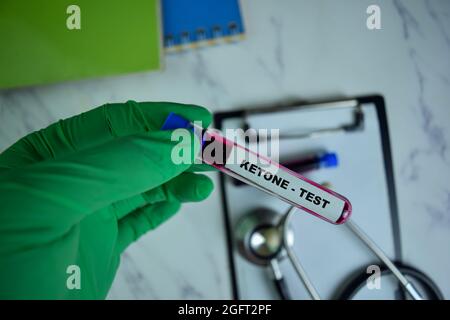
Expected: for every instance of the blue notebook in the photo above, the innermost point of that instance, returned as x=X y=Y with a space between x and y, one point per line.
x=190 y=24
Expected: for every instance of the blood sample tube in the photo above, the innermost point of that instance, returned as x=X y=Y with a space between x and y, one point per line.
x=259 y=171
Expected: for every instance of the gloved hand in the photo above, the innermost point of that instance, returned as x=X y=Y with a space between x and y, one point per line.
x=80 y=191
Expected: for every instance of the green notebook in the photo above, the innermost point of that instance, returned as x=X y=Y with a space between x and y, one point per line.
x=40 y=42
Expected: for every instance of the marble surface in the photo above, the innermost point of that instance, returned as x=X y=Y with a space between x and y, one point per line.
x=293 y=49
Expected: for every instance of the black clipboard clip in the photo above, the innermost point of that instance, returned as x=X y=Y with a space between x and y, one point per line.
x=357 y=123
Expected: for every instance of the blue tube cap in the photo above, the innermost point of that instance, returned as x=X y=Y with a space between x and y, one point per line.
x=329 y=160
x=174 y=121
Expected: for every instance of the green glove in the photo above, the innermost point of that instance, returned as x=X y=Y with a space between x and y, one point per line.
x=73 y=196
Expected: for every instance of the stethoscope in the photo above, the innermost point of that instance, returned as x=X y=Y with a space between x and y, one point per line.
x=264 y=237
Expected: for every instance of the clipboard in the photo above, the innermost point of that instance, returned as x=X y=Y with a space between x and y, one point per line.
x=357 y=130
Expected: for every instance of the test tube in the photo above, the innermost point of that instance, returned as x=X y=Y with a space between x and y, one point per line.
x=265 y=174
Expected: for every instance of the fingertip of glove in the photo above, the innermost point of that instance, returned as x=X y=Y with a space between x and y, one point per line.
x=191 y=112
x=204 y=187
x=205 y=116
x=191 y=187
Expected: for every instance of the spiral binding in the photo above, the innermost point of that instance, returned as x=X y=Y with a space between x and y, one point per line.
x=203 y=37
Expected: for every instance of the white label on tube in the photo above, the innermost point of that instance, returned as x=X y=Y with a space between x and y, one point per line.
x=286 y=185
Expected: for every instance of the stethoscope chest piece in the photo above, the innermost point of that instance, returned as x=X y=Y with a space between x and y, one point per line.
x=259 y=238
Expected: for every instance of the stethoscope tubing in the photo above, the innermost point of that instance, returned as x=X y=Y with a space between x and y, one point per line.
x=293 y=258
x=357 y=231
x=409 y=287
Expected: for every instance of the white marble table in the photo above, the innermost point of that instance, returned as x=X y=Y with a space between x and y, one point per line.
x=293 y=49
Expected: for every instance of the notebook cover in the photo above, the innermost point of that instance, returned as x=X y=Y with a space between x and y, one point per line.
x=191 y=23
x=115 y=37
